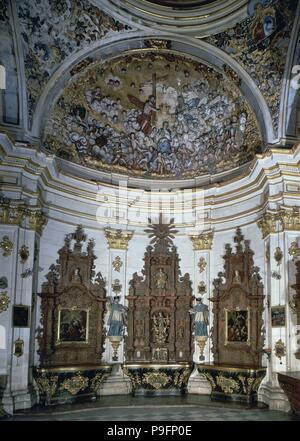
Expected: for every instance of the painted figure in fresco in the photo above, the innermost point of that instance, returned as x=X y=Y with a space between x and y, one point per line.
x=117 y=319
x=161 y=279
x=148 y=109
x=201 y=315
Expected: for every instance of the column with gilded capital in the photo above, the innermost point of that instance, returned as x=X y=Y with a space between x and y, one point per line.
x=21 y=227
x=202 y=245
x=276 y=301
x=117 y=241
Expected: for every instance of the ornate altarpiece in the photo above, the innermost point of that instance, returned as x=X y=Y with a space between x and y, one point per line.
x=72 y=307
x=159 y=324
x=71 y=341
x=238 y=327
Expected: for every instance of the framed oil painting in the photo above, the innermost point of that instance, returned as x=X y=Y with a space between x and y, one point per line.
x=73 y=325
x=20 y=316
x=237 y=326
x=278 y=316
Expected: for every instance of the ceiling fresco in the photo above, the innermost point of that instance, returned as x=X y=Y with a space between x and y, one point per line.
x=181 y=3
x=260 y=44
x=53 y=32
x=153 y=114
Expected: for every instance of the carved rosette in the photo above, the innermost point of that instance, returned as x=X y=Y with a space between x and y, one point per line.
x=202 y=241
x=118 y=239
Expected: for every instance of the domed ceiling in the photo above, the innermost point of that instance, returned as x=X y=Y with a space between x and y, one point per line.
x=154 y=115
x=181 y=3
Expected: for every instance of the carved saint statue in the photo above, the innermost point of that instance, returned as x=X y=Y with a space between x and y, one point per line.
x=160 y=327
x=161 y=279
x=117 y=319
x=201 y=315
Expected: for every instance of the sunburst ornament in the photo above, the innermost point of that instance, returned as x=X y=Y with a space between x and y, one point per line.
x=161 y=233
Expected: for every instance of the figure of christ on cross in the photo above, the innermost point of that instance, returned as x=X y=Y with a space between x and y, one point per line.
x=148 y=116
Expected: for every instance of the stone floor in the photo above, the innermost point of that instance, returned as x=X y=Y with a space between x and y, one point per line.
x=127 y=408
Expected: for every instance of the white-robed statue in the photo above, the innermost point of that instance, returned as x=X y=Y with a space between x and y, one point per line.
x=117 y=319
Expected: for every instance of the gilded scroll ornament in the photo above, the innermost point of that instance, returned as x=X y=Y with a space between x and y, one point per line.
x=182 y=378
x=118 y=239
x=156 y=379
x=202 y=241
x=75 y=384
x=47 y=385
x=209 y=378
x=7 y=246
x=202 y=264
x=97 y=381
x=228 y=385
x=4 y=301
x=117 y=263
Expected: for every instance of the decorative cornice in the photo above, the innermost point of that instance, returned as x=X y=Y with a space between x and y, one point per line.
x=118 y=239
x=202 y=241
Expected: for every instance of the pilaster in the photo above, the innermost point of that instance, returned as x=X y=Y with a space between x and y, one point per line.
x=117 y=241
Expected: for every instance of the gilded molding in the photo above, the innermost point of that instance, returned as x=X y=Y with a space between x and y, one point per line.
x=202 y=241
x=118 y=239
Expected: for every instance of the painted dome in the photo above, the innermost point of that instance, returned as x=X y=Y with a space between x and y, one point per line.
x=153 y=115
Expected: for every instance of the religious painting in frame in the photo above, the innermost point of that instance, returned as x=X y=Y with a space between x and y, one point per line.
x=278 y=316
x=73 y=325
x=20 y=316
x=237 y=326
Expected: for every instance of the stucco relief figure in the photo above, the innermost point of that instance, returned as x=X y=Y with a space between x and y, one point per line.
x=200 y=314
x=160 y=327
x=117 y=319
x=161 y=279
